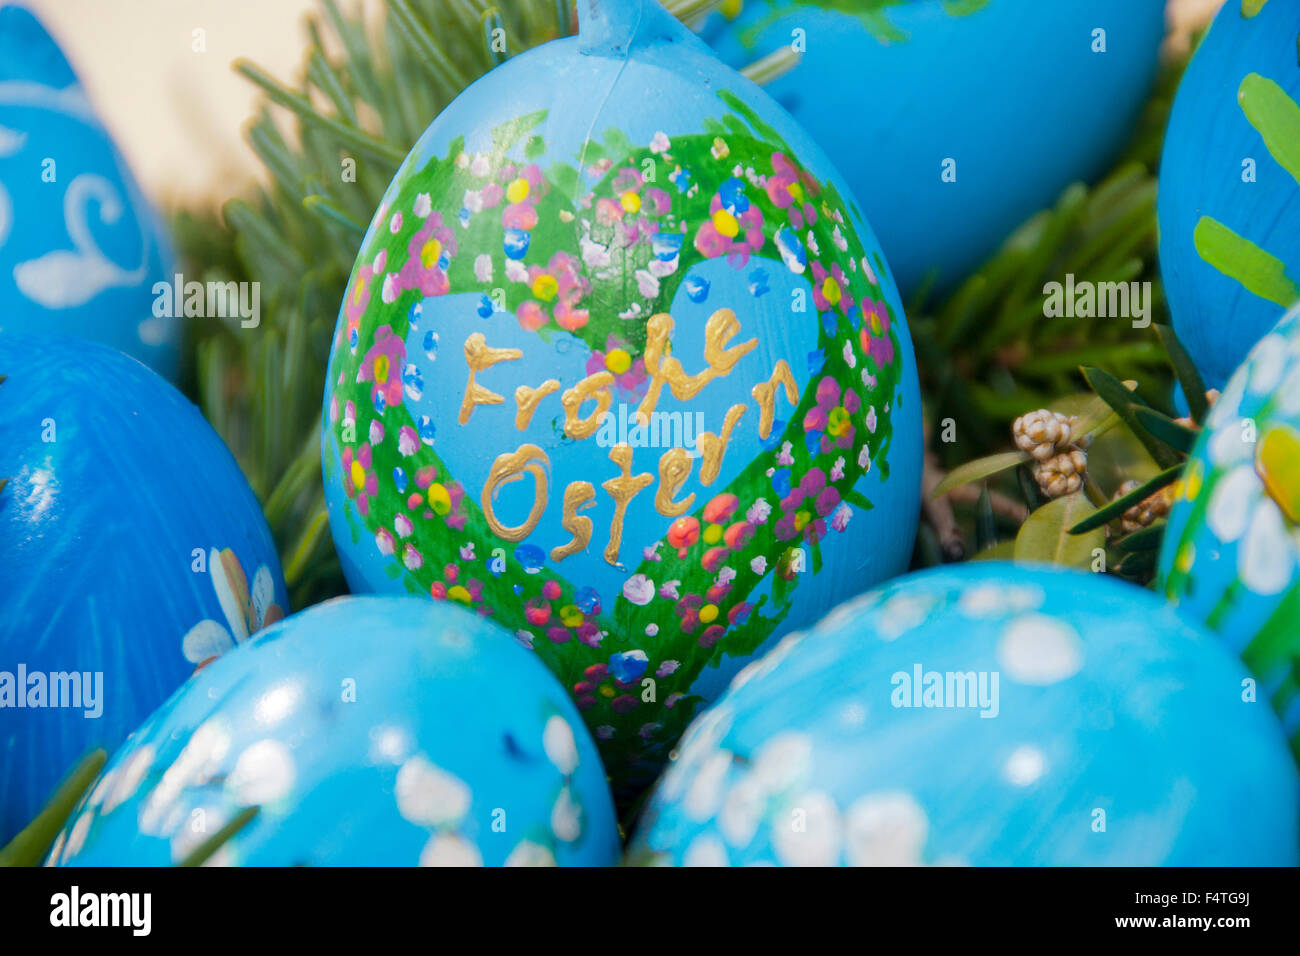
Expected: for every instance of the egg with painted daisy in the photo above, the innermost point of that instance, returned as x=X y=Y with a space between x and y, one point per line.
x=987 y=714
x=131 y=550
x=622 y=367
x=366 y=731
x=1231 y=552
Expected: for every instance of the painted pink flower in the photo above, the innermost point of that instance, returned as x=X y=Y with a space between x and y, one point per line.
x=791 y=189
x=383 y=366
x=359 y=479
x=875 y=332
x=727 y=233
x=632 y=380
x=831 y=289
x=430 y=252
x=358 y=297
x=560 y=287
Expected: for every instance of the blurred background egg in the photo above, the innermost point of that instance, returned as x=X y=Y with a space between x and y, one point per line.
x=1231 y=553
x=80 y=249
x=133 y=549
x=368 y=731
x=955 y=120
x=987 y=714
x=549 y=263
x=1229 y=202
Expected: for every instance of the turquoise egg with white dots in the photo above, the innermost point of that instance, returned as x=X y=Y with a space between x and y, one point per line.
x=367 y=731
x=991 y=715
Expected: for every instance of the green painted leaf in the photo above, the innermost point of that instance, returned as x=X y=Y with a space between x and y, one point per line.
x=1240 y=259
x=1045 y=537
x=1277 y=118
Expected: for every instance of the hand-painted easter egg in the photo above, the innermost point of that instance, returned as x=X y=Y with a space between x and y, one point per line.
x=622 y=366
x=368 y=731
x=954 y=121
x=131 y=549
x=80 y=249
x=987 y=714
x=1229 y=202
x=1231 y=552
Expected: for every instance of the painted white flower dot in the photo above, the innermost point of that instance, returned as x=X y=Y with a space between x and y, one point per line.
x=885 y=829
x=448 y=849
x=809 y=832
x=263 y=773
x=560 y=745
x=428 y=795
x=1040 y=650
x=1025 y=765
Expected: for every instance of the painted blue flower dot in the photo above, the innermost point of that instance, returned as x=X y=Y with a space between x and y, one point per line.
x=412 y=381
x=758 y=283
x=516 y=243
x=813 y=442
x=781 y=481
x=463 y=216
x=666 y=246
x=816 y=360
x=353 y=338
x=627 y=666
x=427 y=430
x=732 y=195
x=431 y=344
x=829 y=323
x=380 y=402
x=531 y=557
x=486 y=307
x=697 y=289
x=774 y=440
x=587 y=600
x=792 y=251
x=414 y=314
x=399 y=480
x=518 y=589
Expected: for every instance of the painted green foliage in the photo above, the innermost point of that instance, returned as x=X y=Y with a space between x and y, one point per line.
x=839 y=428
x=874 y=15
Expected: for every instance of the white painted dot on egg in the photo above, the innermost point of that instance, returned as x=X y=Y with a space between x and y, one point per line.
x=560 y=745
x=704 y=794
x=448 y=849
x=1025 y=766
x=1040 y=650
x=430 y=796
x=885 y=829
x=706 y=850
x=263 y=773
x=566 y=817
x=808 y=832
x=529 y=853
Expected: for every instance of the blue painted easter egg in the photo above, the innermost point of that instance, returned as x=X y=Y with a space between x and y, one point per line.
x=1229 y=201
x=1231 y=552
x=368 y=731
x=991 y=715
x=131 y=549
x=691 y=421
x=954 y=121
x=80 y=249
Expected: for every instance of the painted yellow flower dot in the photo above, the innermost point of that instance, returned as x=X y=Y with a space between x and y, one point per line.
x=439 y=499
x=831 y=290
x=518 y=190
x=381 y=368
x=726 y=223
x=545 y=287
x=618 y=361
x=458 y=593
x=709 y=613
x=801 y=519
x=631 y=202
x=606 y=690
x=1192 y=480
x=795 y=190
x=876 y=327
x=570 y=616
x=430 y=253
x=732 y=8
x=1185 y=557
x=837 y=422
x=712 y=534
x=358 y=475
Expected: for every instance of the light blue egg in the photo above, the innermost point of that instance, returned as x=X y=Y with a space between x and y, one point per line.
x=1013 y=97
x=81 y=252
x=990 y=715
x=133 y=550
x=1229 y=202
x=1231 y=553
x=368 y=731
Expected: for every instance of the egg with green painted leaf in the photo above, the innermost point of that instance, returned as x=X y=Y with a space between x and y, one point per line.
x=1229 y=202
x=1231 y=554
x=621 y=366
